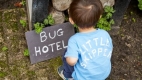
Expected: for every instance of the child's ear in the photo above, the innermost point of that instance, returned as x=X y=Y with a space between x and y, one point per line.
x=71 y=21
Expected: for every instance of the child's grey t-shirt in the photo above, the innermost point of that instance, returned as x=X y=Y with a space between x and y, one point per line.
x=93 y=50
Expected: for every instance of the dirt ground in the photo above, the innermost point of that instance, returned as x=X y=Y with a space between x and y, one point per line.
x=126 y=58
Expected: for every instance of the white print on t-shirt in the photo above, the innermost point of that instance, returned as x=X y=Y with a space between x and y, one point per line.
x=101 y=49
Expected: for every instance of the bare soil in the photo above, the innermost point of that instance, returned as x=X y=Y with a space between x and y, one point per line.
x=126 y=58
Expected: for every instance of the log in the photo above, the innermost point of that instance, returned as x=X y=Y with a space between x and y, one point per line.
x=61 y=5
x=59 y=17
x=107 y=2
x=39 y=10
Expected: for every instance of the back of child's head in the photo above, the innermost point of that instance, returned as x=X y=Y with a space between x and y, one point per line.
x=85 y=13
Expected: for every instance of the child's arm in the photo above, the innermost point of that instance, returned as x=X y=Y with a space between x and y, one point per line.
x=71 y=61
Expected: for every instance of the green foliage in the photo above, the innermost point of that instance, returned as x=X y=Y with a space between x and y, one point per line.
x=23 y=2
x=105 y=21
x=23 y=23
x=76 y=27
x=2 y=74
x=133 y=19
x=38 y=27
x=26 y=52
x=4 y=48
x=50 y=20
x=140 y=4
x=47 y=21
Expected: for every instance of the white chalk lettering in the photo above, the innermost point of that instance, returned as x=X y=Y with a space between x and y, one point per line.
x=43 y=36
x=37 y=51
x=52 y=46
x=53 y=36
x=45 y=49
x=58 y=46
x=64 y=44
x=60 y=31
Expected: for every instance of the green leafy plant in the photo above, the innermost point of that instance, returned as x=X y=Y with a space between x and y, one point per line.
x=47 y=21
x=26 y=52
x=38 y=27
x=140 y=4
x=23 y=2
x=4 y=48
x=106 y=20
x=50 y=20
x=23 y=23
x=133 y=19
x=76 y=27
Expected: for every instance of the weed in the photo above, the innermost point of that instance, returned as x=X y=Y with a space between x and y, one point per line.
x=23 y=23
x=50 y=20
x=26 y=52
x=133 y=19
x=2 y=74
x=76 y=27
x=105 y=21
x=4 y=48
x=66 y=18
x=20 y=4
x=140 y=4
x=47 y=21
x=125 y=17
x=38 y=27
x=23 y=2
x=131 y=13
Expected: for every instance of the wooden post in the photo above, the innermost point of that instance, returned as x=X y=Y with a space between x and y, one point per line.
x=37 y=11
x=120 y=8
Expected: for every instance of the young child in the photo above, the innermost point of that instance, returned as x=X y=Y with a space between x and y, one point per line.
x=88 y=56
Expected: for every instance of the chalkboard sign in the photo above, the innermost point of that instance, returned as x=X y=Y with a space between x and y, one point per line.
x=50 y=43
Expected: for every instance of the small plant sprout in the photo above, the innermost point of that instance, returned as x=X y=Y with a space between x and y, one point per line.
x=131 y=13
x=76 y=27
x=20 y=4
x=4 y=48
x=23 y=23
x=133 y=19
x=125 y=17
x=26 y=52
x=38 y=27
x=140 y=4
x=45 y=21
x=50 y=20
x=66 y=18
x=105 y=21
x=23 y=2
